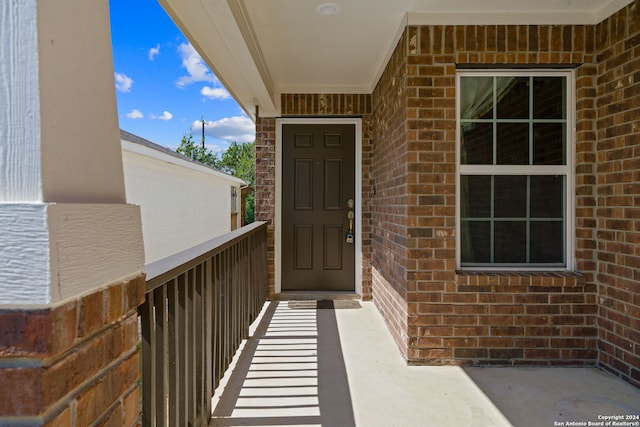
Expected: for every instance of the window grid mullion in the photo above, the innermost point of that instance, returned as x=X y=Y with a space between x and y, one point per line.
x=528 y=200
x=492 y=220
x=528 y=221
x=564 y=219
x=492 y=226
x=530 y=120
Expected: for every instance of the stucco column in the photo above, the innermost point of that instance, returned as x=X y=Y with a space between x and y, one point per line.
x=71 y=250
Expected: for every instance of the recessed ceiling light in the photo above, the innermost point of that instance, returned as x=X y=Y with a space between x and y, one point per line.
x=327 y=9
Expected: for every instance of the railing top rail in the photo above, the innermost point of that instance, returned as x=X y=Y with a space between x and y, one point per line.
x=165 y=269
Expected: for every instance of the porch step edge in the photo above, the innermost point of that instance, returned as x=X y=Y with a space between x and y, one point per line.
x=316 y=295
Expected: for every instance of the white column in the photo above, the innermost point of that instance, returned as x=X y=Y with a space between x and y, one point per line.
x=65 y=227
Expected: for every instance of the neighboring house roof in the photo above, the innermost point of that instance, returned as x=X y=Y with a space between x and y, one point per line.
x=141 y=142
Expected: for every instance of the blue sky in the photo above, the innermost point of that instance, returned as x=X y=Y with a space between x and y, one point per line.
x=163 y=87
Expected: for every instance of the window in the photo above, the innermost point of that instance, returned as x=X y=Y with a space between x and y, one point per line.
x=514 y=169
x=234 y=200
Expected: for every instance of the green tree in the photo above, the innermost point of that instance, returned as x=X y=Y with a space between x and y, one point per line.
x=197 y=152
x=240 y=160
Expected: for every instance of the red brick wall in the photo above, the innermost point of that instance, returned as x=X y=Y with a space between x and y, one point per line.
x=585 y=167
x=265 y=191
x=313 y=105
x=456 y=318
x=74 y=364
x=392 y=224
x=437 y=315
x=618 y=191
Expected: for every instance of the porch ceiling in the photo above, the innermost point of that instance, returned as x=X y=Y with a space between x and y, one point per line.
x=262 y=48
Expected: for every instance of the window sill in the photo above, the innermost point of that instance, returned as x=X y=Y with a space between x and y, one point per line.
x=528 y=281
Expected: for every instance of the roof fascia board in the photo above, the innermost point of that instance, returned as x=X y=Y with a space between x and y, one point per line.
x=212 y=29
x=246 y=29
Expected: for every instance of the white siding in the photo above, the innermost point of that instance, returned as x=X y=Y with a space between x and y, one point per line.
x=182 y=203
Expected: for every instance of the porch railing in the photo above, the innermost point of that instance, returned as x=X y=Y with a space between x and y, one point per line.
x=199 y=305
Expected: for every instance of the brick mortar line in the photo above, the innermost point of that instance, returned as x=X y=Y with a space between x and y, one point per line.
x=58 y=407
x=611 y=331
x=49 y=361
x=110 y=409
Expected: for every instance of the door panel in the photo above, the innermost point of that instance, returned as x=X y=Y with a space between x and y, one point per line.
x=303 y=184
x=332 y=188
x=303 y=244
x=333 y=242
x=318 y=178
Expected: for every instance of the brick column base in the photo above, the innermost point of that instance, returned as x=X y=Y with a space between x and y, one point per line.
x=75 y=364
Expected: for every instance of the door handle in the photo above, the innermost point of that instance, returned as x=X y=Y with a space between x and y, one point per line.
x=349 y=237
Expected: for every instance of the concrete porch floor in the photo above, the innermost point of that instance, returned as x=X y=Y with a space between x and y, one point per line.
x=339 y=367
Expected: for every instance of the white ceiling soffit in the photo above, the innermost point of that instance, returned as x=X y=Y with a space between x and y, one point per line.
x=262 y=48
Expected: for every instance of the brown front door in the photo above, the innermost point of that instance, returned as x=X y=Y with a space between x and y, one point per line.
x=318 y=183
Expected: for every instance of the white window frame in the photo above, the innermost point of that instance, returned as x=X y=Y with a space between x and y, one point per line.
x=567 y=170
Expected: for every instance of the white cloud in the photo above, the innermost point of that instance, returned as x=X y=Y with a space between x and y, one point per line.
x=134 y=114
x=154 y=51
x=215 y=92
x=238 y=128
x=165 y=116
x=195 y=66
x=123 y=82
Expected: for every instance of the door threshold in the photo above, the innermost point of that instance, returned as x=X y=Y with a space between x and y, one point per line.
x=316 y=295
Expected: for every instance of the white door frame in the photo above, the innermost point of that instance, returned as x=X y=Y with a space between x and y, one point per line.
x=357 y=122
